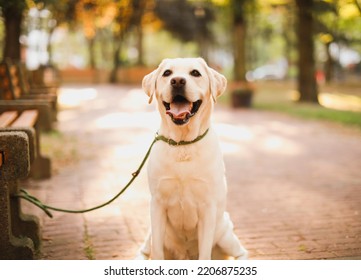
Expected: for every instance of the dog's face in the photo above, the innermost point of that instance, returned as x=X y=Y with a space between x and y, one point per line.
x=184 y=87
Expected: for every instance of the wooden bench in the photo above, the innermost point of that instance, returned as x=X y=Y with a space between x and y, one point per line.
x=28 y=120
x=46 y=78
x=14 y=86
x=45 y=120
x=19 y=233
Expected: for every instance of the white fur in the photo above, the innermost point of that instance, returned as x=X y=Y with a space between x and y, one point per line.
x=187 y=183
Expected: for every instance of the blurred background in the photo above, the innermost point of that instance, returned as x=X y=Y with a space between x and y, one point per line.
x=294 y=185
x=305 y=51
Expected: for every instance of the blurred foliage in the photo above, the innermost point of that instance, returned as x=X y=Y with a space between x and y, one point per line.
x=195 y=18
x=118 y=32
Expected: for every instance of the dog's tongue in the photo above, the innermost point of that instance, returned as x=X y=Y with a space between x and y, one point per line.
x=180 y=110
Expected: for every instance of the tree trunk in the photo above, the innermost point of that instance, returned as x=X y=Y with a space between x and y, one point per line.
x=288 y=27
x=13 y=18
x=239 y=41
x=91 y=49
x=140 y=60
x=116 y=59
x=203 y=47
x=329 y=65
x=307 y=85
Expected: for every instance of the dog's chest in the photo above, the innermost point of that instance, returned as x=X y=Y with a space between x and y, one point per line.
x=184 y=172
x=184 y=179
x=183 y=156
x=179 y=180
x=182 y=211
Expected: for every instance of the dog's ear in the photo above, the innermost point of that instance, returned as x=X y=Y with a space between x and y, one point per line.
x=149 y=84
x=217 y=82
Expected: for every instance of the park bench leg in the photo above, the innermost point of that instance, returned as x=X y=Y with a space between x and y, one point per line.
x=11 y=247
x=23 y=224
x=41 y=168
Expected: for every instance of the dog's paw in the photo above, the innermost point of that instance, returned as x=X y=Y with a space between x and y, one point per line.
x=244 y=256
x=140 y=256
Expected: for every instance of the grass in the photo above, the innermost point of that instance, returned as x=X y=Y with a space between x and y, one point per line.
x=314 y=112
x=88 y=246
x=280 y=96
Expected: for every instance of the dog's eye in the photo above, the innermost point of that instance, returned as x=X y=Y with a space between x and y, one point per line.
x=167 y=73
x=195 y=73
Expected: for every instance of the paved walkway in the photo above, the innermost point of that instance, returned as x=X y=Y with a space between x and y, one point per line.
x=294 y=185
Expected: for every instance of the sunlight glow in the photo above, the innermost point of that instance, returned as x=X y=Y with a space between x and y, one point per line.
x=340 y=101
x=70 y=97
x=236 y=139
x=234 y=133
x=337 y=101
x=136 y=99
x=232 y=136
x=128 y=120
x=279 y=145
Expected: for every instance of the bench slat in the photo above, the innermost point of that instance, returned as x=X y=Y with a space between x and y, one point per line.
x=27 y=118
x=7 y=118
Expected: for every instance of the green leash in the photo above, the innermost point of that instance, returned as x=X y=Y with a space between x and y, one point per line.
x=25 y=195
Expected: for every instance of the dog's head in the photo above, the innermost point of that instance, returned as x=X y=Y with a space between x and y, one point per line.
x=184 y=87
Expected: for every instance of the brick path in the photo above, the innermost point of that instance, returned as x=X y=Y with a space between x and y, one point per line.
x=294 y=185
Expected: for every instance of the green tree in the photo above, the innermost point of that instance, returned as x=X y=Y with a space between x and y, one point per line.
x=129 y=16
x=337 y=22
x=188 y=21
x=12 y=12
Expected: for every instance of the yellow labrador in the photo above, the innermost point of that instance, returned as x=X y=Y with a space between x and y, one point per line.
x=187 y=182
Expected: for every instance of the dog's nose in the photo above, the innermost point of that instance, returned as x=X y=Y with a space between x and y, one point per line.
x=178 y=82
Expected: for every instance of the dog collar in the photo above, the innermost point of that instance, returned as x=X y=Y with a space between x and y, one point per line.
x=180 y=143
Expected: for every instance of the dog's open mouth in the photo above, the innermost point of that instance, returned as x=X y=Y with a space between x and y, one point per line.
x=181 y=110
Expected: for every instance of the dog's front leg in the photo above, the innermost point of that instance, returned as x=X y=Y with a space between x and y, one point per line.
x=206 y=231
x=158 y=223
x=145 y=249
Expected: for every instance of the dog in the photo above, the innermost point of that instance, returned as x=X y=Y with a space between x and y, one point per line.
x=187 y=182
